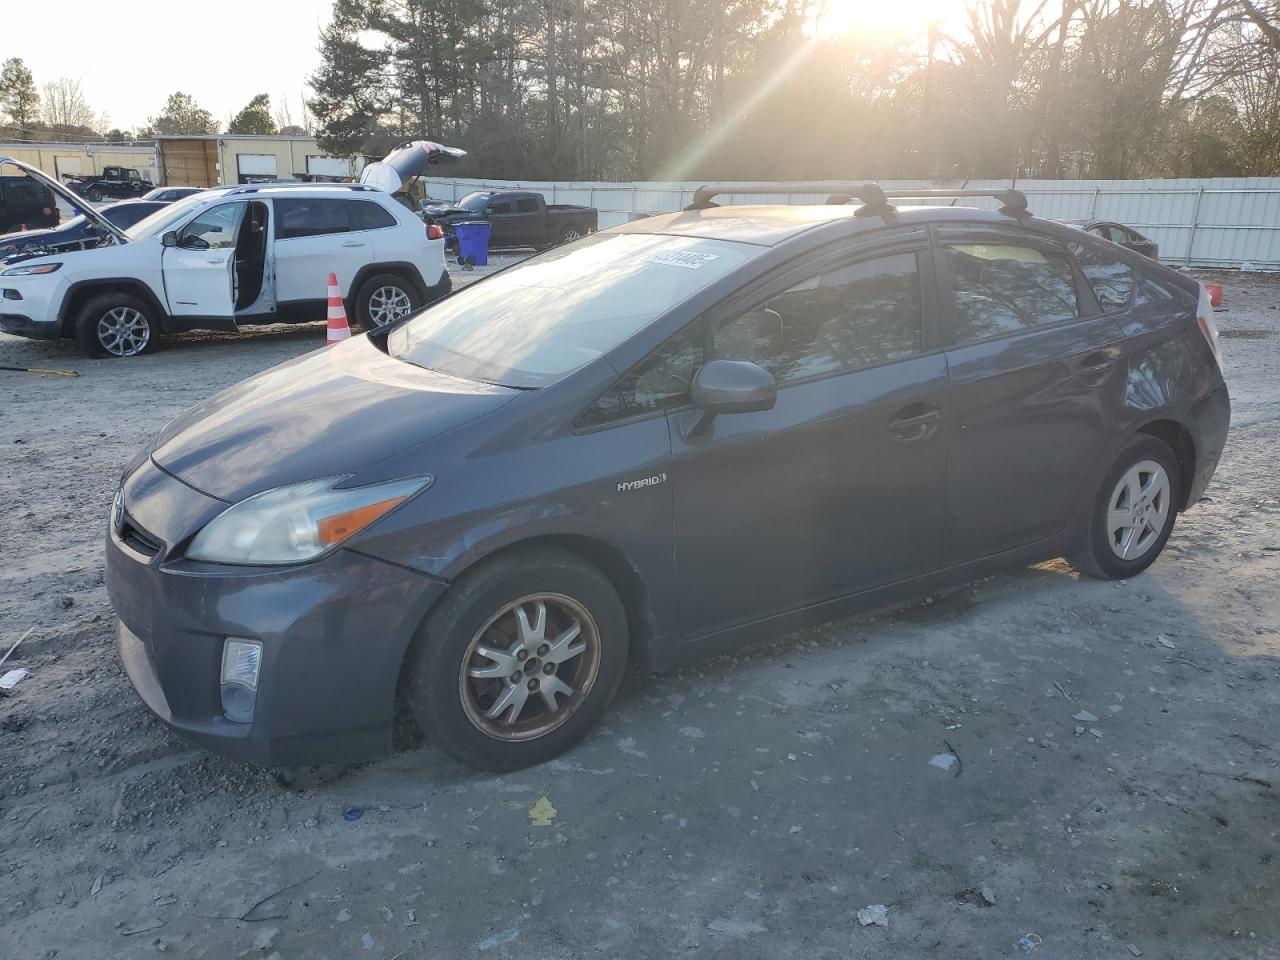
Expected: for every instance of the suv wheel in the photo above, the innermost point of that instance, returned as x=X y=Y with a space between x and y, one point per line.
x=383 y=299
x=1134 y=511
x=116 y=325
x=520 y=660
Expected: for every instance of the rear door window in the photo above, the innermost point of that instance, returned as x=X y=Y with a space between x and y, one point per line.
x=1001 y=288
x=527 y=205
x=1110 y=279
x=311 y=217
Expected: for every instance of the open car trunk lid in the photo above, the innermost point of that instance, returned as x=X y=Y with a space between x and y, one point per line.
x=407 y=161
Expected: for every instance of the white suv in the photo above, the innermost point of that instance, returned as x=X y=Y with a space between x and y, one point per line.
x=228 y=257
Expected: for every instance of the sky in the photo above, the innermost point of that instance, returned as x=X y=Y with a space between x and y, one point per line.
x=129 y=64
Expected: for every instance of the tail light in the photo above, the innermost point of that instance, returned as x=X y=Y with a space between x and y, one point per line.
x=435 y=232
x=1204 y=320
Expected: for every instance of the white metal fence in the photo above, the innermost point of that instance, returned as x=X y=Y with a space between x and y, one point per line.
x=1223 y=222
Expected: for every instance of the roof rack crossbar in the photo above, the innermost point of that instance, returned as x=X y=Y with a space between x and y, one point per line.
x=875 y=199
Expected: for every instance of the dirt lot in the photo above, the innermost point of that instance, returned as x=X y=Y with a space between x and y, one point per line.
x=748 y=808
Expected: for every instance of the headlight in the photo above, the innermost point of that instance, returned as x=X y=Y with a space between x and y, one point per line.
x=27 y=270
x=299 y=522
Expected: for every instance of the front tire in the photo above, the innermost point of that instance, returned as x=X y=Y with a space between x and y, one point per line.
x=116 y=325
x=1134 y=511
x=384 y=299
x=520 y=660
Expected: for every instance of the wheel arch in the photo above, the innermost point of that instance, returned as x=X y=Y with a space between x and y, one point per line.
x=399 y=268
x=79 y=293
x=1179 y=440
x=610 y=561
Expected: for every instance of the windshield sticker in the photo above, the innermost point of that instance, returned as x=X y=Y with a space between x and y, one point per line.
x=686 y=259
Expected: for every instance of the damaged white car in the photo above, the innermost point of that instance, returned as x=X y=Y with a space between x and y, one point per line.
x=234 y=256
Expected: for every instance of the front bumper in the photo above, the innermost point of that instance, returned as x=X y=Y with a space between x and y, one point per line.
x=23 y=326
x=35 y=314
x=1210 y=421
x=334 y=635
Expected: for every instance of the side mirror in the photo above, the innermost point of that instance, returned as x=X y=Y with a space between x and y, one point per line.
x=729 y=386
x=170 y=239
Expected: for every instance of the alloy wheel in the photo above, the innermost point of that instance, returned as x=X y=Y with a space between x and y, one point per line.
x=570 y=235
x=388 y=304
x=124 y=332
x=1138 y=510
x=530 y=667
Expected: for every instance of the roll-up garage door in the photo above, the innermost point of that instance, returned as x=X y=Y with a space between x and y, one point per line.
x=328 y=167
x=256 y=166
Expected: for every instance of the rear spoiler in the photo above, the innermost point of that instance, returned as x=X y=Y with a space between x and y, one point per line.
x=77 y=203
x=874 y=198
x=407 y=161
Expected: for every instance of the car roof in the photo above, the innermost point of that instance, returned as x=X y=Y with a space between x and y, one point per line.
x=769 y=225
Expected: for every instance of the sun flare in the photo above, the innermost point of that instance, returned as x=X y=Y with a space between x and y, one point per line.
x=838 y=18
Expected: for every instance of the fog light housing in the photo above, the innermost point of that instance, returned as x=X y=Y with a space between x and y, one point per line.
x=241 y=662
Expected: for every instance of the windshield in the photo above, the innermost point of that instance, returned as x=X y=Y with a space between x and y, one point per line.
x=533 y=323
x=475 y=202
x=164 y=218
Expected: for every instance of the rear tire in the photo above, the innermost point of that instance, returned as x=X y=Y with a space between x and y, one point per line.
x=1134 y=511
x=570 y=234
x=502 y=720
x=95 y=196
x=116 y=325
x=384 y=299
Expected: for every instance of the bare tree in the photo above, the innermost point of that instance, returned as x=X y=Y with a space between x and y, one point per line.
x=65 y=107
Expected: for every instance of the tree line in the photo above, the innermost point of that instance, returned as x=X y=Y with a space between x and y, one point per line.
x=60 y=111
x=756 y=89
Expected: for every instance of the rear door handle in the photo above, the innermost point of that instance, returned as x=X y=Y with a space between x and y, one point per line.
x=1095 y=366
x=353 y=243
x=915 y=422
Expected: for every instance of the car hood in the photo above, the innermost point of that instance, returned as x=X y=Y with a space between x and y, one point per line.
x=333 y=411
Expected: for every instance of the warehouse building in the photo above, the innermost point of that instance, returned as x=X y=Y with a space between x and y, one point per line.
x=221 y=159
x=61 y=160
x=202 y=161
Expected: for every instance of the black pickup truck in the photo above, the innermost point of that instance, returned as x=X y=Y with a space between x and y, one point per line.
x=517 y=218
x=112 y=182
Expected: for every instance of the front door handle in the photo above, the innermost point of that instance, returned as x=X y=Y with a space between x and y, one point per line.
x=915 y=422
x=218 y=260
x=353 y=243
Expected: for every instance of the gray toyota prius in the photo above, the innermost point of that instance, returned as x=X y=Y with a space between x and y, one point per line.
x=656 y=442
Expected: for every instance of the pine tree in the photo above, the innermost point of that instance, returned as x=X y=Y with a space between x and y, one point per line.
x=255 y=119
x=19 y=98
x=351 y=89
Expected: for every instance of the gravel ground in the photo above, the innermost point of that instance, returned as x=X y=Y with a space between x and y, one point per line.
x=746 y=808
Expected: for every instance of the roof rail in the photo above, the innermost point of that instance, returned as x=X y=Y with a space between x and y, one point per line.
x=233 y=189
x=875 y=199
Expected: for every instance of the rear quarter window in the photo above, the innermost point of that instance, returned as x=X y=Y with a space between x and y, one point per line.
x=1111 y=279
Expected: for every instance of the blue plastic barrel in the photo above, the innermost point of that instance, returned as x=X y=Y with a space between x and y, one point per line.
x=473 y=242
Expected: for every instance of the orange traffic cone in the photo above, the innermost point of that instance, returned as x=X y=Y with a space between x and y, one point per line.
x=339 y=329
